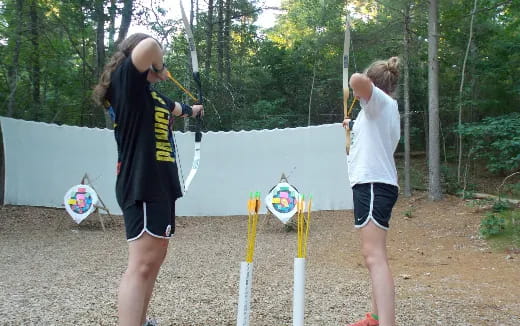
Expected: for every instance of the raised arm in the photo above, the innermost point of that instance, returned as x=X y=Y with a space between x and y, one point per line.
x=148 y=54
x=361 y=85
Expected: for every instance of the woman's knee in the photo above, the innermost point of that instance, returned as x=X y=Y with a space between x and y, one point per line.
x=373 y=256
x=145 y=268
x=145 y=259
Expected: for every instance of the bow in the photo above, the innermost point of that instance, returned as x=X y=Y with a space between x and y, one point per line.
x=346 y=92
x=196 y=77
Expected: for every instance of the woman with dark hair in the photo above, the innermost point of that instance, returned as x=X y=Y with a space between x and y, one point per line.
x=373 y=178
x=147 y=183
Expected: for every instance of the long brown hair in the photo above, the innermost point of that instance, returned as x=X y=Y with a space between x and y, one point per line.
x=124 y=49
x=385 y=74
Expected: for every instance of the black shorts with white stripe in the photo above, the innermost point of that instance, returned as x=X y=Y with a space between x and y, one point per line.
x=154 y=218
x=374 y=201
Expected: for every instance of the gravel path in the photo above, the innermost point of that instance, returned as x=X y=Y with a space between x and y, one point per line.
x=54 y=272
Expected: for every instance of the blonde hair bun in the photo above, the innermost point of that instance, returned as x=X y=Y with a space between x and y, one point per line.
x=385 y=74
x=393 y=65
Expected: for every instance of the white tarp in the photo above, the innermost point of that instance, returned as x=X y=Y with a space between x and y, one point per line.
x=42 y=161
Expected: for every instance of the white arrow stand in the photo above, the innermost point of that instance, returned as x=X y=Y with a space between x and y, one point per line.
x=299 y=292
x=244 y=293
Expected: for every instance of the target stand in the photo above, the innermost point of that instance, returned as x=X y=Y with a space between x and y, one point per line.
x=82 y=200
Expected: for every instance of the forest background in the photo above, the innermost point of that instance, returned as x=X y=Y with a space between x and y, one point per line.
x=459 y=95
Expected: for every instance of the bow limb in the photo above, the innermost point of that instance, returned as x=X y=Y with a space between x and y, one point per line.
x=345 y=111
x=346 y=92
x=196 y=77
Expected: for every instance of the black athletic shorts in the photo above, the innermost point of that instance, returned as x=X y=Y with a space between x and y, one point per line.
x=374 y=201
x=154 y=218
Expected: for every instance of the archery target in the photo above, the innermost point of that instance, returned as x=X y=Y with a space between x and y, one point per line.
x=282 y=200
x=80 y=201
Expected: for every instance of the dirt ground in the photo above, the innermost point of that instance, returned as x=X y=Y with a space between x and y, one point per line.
x=439 y=248
x=436 y=248
x=445 y=274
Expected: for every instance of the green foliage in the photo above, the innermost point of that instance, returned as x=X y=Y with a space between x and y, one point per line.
x=496 y=140
x=263 y=115
x=451 y=186
x=418 y=179
x=501 y=206
x=52 y=54
x=514 y=220
x=409 y=212
x=513 y=189
x=276 y=77
x=492 y=225
x=502 y=225
x=479 y=203
x=449 y=181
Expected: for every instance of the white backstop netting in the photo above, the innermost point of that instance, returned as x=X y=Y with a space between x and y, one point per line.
x=42 y=161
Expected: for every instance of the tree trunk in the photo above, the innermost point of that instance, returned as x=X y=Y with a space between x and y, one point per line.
x=100 y=38
x=112 y=12
x=126 y=19
x=406 y=95
x=100 y=50
x=220 y=38
x=85 y=109
x=35 y=59
x=14 y=67
x=434 y=184
x=227 y=41
x=209 y=36
x=459 y=166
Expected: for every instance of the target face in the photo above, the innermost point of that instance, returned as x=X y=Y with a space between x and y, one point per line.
x=80 y=201
x=282 y=200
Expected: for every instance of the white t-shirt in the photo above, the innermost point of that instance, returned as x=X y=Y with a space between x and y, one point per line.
x=375 y=136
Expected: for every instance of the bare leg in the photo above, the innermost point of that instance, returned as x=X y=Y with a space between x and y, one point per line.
x=145 y=256
x=150 y=291
x=373 y=247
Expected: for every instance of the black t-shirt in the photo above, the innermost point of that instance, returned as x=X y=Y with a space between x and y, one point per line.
x=147 y=167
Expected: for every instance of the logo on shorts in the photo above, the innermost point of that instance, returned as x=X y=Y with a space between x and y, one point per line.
x=168 y=231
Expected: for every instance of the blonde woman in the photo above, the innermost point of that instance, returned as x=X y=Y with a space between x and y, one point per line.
x=373 y=178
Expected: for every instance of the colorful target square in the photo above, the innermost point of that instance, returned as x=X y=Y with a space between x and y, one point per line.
x=282 y=200
x=80 y=201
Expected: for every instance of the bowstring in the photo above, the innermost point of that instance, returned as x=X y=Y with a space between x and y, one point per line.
x=175 y=146
x=177 y=154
